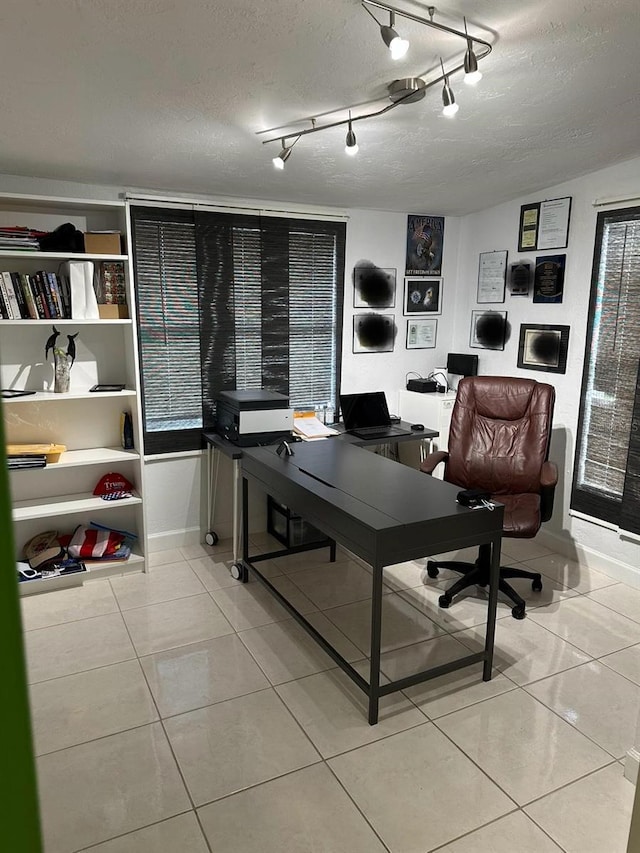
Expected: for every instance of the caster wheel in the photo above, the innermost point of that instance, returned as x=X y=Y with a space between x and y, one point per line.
x=211 y=538
x=239 y=572
x=536 y=585
x=444 y=601
x=518 y=611
x=432 y=569
x=483 y=585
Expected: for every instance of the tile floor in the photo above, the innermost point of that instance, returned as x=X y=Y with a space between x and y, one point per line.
x=182 y=711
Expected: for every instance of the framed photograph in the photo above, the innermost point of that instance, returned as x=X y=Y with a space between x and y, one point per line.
x=425 y=241
x=374 y=332
x=528 y=231
x=489 y=329
x=543 y=348
x=422 y=296
x=548 y=283
x=492 y=276
x=421 y=334
x=374 y=287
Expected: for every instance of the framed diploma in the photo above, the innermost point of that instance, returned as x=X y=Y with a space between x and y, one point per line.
x=421 y=334
x=553 y=226
x=492 y=272
x=528 y=233
x=544 y=225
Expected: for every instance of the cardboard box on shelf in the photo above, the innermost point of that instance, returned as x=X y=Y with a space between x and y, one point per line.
x=113 y=312
x=102 y=243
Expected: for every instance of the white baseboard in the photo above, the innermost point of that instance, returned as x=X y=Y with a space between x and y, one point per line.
x=174 y=539
x=590 y=558
x=631 y=765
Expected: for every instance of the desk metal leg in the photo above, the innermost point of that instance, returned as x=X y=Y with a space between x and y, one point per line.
x=376 y=634
x=237 y=515
x=213 y=464
x=494 y=579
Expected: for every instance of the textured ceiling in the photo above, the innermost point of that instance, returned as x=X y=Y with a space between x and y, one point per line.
x=167 y=95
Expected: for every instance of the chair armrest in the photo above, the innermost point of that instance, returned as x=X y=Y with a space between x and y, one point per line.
x=432 y=460
x=548 y=482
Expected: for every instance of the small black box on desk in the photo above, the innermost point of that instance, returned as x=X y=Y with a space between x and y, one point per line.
x=289 y=528
x=422 y=386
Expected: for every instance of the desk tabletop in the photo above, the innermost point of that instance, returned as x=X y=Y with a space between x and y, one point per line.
x=373 y=504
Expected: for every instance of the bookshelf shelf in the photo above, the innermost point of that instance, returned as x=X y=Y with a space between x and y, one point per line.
x=60 y=321
x=91 y=456
x=66 y=505
x=59 y=496
x=104 y=568
x=52 y=397
x=58 y=256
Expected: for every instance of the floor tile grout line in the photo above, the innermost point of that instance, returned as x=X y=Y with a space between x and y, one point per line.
x=568 y=784
x=471 y=831
x=171 y=750
x=609 y=607
x=475 y=764
x=559 y=715
x=131 y=832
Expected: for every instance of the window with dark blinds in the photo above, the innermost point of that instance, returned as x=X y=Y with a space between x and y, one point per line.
x=168 y=328
x=606 y=473
x=264 y=297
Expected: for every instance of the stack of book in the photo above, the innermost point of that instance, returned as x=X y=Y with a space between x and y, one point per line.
x=18 y=238
x=41 y=296
x=19 y=461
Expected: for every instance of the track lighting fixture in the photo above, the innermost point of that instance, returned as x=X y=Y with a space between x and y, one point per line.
x=351 y=144
x=406 y=91
x=285 y=153
x=396 y=45
x=471 y=73
x=450 y=107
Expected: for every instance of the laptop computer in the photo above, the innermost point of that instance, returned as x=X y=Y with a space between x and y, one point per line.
x=367 y=416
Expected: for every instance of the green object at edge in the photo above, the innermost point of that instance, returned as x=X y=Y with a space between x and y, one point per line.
x=19 y=815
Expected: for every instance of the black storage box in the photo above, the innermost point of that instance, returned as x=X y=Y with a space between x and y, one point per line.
x=289 y=528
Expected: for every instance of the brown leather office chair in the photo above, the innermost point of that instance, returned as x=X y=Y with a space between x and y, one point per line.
x=499 y=442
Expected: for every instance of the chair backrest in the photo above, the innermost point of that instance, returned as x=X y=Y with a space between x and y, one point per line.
x=499 y=434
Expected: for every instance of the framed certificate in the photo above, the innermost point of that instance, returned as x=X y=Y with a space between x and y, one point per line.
x=553 y=227
x=492 y=276
x=421 y=334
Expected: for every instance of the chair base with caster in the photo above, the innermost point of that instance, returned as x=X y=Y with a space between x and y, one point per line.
x=477 y=574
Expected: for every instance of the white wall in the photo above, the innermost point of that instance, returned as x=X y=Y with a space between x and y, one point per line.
x=497 y=228
x=380 y=237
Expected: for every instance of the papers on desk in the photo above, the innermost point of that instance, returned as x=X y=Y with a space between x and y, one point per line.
x=309 y=427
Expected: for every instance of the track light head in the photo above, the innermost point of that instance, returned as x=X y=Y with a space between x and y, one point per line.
x=390 y=37
x=282 y=157
x=450 y=107
x=471 y=73
x=351 y=144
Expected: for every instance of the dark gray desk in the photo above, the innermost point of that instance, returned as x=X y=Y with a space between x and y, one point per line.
x=384 y=513
x=217 y=445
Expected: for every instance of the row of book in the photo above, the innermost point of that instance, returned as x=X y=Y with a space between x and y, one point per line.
x=41 y=296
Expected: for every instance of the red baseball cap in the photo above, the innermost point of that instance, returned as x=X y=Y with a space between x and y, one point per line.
x=113 y=487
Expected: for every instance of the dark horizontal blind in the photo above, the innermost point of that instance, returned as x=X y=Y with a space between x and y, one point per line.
x=610 y=371
x=164 y=253
x=233 y=301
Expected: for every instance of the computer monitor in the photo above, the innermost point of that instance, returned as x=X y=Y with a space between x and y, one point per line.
x=462 y=364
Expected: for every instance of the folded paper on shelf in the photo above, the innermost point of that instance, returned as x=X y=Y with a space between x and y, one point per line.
x=84 y=304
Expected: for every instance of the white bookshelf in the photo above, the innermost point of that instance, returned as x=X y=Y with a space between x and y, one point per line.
x=60 y=496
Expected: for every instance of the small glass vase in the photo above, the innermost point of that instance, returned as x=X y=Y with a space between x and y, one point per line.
x=62 y=363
